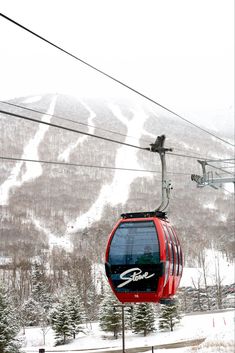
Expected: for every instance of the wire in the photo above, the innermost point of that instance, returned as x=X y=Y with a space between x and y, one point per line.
x=112 y=78
x=227 y=160
x=183 y=155
x=225 y=167
x=221 y=169
x=88 y=125
x=70 y=120
x=230 y=192
x=92 y=135
x=86 y=165
x=70 y=129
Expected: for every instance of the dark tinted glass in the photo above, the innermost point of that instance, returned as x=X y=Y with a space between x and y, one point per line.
x=180 y=262
x=171 y=248
x=173 y=237
x=134 y=243
x=179 y=254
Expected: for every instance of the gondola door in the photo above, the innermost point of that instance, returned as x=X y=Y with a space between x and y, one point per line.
x=134 y=263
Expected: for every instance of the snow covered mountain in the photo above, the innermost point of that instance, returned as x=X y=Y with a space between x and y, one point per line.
x=53 y=204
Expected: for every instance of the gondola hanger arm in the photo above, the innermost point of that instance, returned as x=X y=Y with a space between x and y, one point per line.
x=158 y=146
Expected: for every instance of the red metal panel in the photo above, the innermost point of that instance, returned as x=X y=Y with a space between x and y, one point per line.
x=168 y=282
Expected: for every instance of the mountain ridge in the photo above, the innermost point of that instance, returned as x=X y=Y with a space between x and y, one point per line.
x=59 y=195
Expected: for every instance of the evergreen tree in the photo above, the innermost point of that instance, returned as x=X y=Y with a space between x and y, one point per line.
x=129 y=311
x=40 y=287
x=110 y=316
x=8 y=328
x=35 y=310
x=76 y=312
x=31 y=313
x=61 y=323
x=92 y=304
x=169 y=317
x=143 y=318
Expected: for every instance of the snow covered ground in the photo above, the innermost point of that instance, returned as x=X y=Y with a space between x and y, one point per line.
x=216 y=264
x=217 y=328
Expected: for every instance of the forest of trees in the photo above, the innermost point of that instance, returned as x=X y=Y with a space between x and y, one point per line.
x=72 y=291
x=67 y=314
x=48 y=285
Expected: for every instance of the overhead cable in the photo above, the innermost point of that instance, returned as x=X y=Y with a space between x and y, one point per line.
x=87 y=125
x=221 y=169
x=86 y=165
x=69 y=129
x=230 y=192
x=112 y=78
x=69 y=120
x=226 y=160
x=91 y=135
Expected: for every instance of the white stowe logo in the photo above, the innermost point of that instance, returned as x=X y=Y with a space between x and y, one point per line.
x=134 y=274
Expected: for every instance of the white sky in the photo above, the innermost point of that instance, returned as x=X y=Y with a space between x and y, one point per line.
x=178 y=52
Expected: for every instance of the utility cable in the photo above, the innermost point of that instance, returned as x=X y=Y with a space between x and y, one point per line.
x=86 y=165
x=113 y=78
x=87 y=125
x=230 y=192
x=226 y=160
x=226 y=167
x=182 y=155
x=70 y=120
x=221 y=169
x=70 y=129
x=91 y=135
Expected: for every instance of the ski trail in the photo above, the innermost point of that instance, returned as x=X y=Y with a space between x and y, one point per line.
x=117 y=191
x=53 y=240
x=26 y=171
x=64 y=156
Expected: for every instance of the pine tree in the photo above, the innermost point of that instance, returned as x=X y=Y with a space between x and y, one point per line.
x=61 y=323
x=76 y=312
x=143 y=318
x=129 y=311
x=169 y=317
x=38 y=305
x=8 y=328
x=92 y=304
x=110 y=316
x=40 y=287
x=31 y=312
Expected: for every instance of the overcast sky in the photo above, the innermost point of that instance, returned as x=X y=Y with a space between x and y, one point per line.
x=178 y=52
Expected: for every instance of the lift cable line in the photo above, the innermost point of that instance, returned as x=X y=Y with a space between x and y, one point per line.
x=113 y=78
x=88 y=134
x=87 y=125
x=226 y=160
x=70 y=129
x=70 y=120
x=13 y=159
x=219 y=168
x=227 y=190
x=226 y=167
x=208 y=178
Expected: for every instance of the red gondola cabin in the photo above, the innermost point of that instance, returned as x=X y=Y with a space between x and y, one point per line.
x=143 y=258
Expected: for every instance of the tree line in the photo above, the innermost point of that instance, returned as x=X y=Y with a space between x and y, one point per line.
x=68 y=316
x=66 y=291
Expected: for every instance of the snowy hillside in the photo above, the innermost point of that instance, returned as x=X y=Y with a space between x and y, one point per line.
x=214 y=260
x=62 y=190
x=217 y=329
x=43 y=203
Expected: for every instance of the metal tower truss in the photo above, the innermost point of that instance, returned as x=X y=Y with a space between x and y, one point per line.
x=211 y=178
